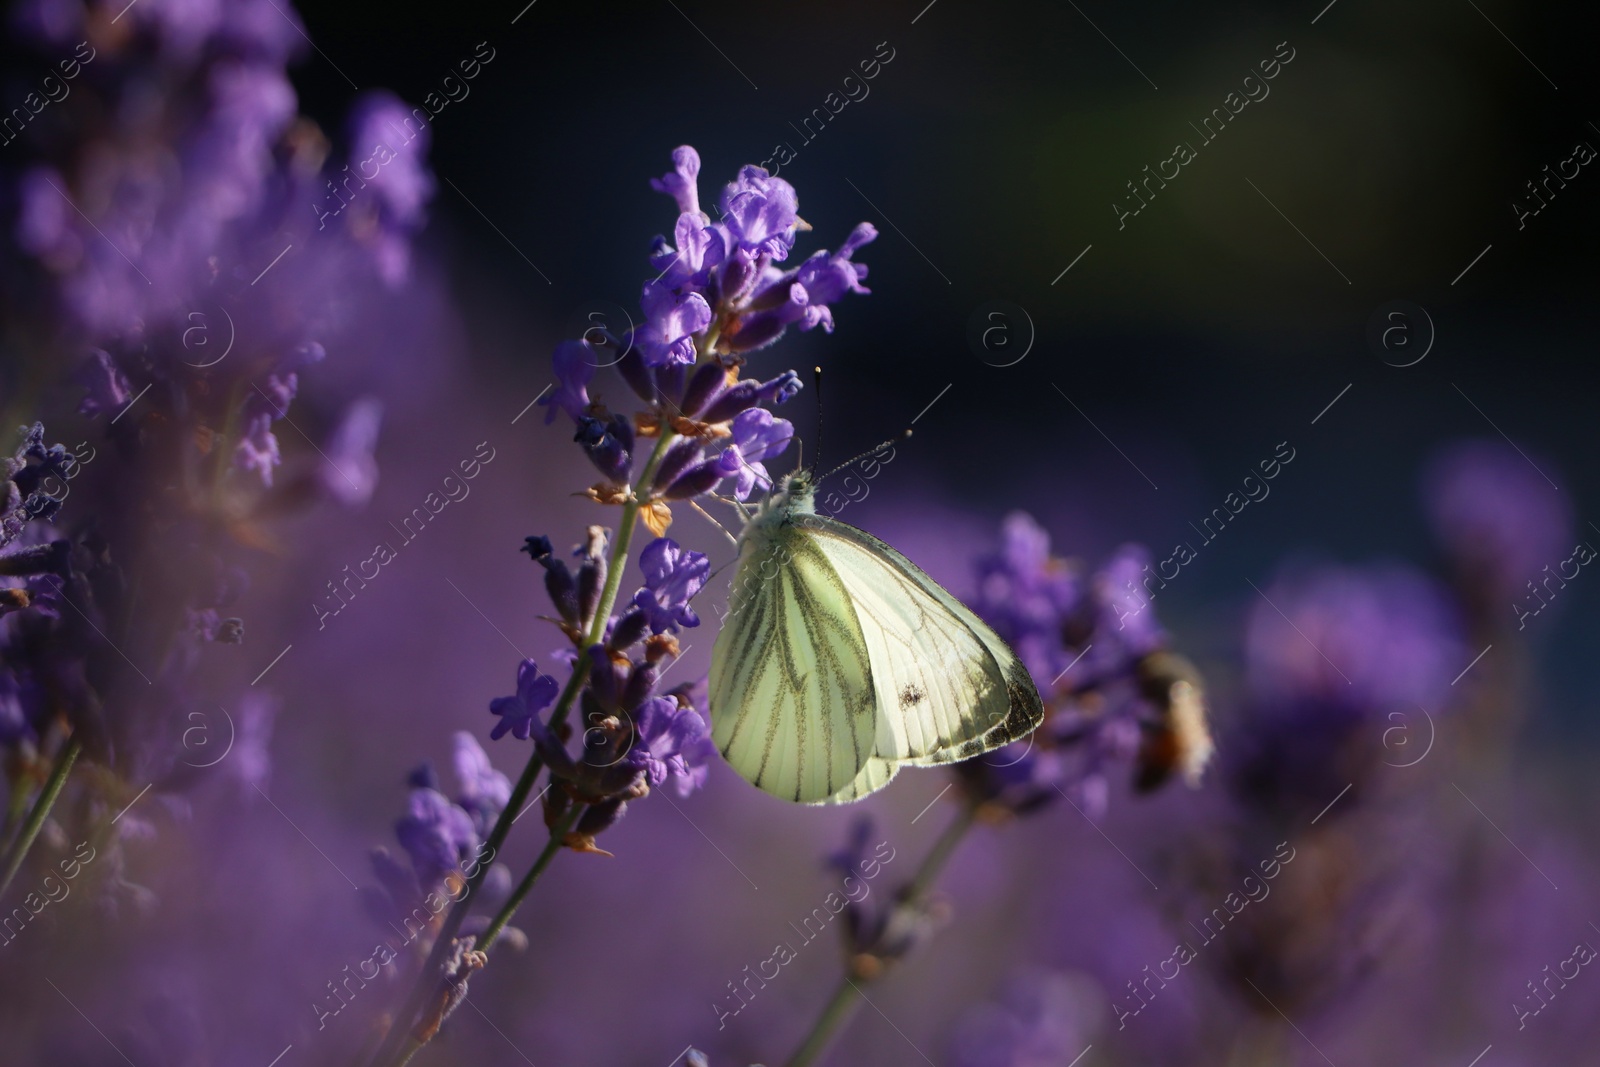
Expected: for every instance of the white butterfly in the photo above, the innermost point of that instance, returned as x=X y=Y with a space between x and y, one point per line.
x=840 y=661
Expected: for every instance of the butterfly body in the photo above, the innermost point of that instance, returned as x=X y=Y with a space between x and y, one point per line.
x=840 y=661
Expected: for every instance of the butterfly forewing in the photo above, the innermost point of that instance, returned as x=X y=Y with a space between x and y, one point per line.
x=791 y=675
x=947 y=686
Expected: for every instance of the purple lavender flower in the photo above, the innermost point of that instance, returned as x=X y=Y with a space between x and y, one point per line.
x=483 y=791
x=535 y=692
x=761 y=213
x=1364 y=638
x=677 y=744
x=1096 y=649
x=436 y=833
x=1501 y=523
x=681 y=182
x=609 y=445
x=1027 y=595
x=672 y=578
x=671 y=323
x=757 y=436
x=575 y=362
x=350 y=474
x=1043 y=1019
x=1354 y=647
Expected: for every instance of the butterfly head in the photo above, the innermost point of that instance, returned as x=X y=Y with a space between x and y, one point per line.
x=798 y=487
x=793 y=495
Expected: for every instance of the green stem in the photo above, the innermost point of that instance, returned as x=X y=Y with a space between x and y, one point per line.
x=838 y=1011
x=14 y=809
x=847 y=997
x=41 y=810
x=619 y=549
x=400 y=1026
x=558 y=834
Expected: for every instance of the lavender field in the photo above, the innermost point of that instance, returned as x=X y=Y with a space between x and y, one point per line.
x=688 y=534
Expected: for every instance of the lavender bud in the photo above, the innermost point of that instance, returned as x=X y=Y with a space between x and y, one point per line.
x=52 y=558
x=680 y=455
x=628 y=630
x=640 y=682
x=698 y=480
x=708 y=378
x=638 y=376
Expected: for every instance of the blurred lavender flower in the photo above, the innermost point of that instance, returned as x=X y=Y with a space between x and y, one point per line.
x=1501 y=523
x=1097 y=652
x=1043 y=1019
x=1352 y=646
x=163 y=243
x=435 y=832
x=484 y=791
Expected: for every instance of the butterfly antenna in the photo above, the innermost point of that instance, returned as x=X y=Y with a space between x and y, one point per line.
x=816 y=381
x=870 y=452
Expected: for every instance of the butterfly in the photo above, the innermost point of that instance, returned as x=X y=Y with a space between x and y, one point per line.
x=840 y=661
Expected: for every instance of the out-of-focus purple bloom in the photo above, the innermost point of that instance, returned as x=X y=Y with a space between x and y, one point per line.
x=105 y=386
x=1357 y=650
x=535 y=692
x=672 y=578
x=1364 y=638
x=1027 y=595
x=388 y=147
x=350 y=475
x=1043 y=1019
x=257 y=450
x=575 y=362
x=436 y=833
x=1020 y=778
x=677 y=743
x=250 y=760
x=1497 y=517
x=1096 y=651
x=1123 y=618
x=484 y=791
x=757 y=436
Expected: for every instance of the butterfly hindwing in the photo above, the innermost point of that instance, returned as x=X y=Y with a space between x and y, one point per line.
x=791 y=680
x=947 y=687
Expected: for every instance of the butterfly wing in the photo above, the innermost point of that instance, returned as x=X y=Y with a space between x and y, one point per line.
x=791 y=688
x=947 y=687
